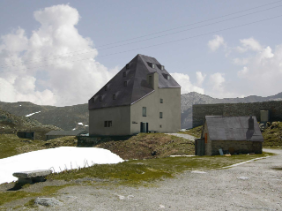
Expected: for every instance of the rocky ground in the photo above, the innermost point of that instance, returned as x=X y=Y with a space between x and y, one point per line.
x=254 y=185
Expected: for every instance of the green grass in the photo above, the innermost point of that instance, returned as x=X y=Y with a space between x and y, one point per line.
x=11 y=144
x=193 y=132
x=273 y=135
x=136 y=172
x=9 y=196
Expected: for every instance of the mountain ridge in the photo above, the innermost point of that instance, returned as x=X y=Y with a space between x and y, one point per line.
x=71 y=117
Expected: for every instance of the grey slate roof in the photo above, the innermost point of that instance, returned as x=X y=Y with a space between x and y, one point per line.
x=136 y=76
x=232 y=128
x=65 y=133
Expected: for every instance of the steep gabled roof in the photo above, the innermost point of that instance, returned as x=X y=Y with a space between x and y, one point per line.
x=232 y=128
x=135 y=73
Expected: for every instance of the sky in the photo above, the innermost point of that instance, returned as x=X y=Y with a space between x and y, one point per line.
x=61 y=53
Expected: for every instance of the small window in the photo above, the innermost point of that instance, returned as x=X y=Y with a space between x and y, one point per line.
x=144 y=112
x=162 y=67
x=106 y=88
x=127 y=66
x=108 y=124
x=125 y=83
x=161 y=115
x=124 y=74
x=160 y=126
x=168 y=77
x=153 y=65
x=100 y=98
x=161 y=101
x=114 y=96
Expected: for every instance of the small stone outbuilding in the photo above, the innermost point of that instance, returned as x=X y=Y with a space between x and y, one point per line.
x=58 y=133
x=240 y=134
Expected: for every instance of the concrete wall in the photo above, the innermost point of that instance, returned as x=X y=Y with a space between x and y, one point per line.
x=120 y=117
x=237 y=109
x=238 y=146
x=171 y=108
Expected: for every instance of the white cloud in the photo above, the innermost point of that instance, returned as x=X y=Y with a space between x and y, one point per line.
x=200 y=78
x=249 y=44
x=186 y=86
x=217 y=80
x=41 y=68
x=215 y=43
x=242 y=72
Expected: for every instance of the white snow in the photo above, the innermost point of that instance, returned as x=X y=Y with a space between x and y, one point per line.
x=198 y=172
x=20 y=105
x=73 y=129
x=80 y=123
x=86 y=125
x=57 y=159
x=28 y=115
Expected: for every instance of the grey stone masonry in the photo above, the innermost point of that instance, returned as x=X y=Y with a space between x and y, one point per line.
x=237 y=109
x=32 y=176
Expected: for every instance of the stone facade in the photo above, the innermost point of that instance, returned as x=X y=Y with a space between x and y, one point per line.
x=237 y=109
x=238 y=146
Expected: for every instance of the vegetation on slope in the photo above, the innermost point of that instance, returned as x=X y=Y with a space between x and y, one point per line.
x=196 y=131
x=272 y=135
x=11 y=144
x=150 y=145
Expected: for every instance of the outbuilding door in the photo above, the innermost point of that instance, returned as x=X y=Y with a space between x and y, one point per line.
x=144 y=127
x=200 y=147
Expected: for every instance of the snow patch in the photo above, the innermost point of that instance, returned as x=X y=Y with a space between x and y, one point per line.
x=80 y=123
x=28 y=115
x=20 y=105
x=73 y=129
x=57 y=159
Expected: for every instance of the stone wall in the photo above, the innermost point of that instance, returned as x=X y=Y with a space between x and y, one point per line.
x=237 y=109
x=238 y=146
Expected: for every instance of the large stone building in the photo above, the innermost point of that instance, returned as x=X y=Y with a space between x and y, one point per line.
x=142 y=97
x=239 y=134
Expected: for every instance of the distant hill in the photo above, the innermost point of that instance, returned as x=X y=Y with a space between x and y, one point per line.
x=10 y=123
x=77 y=117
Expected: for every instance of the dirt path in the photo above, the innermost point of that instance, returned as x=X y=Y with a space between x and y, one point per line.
x=186 y=136
x=250 y=186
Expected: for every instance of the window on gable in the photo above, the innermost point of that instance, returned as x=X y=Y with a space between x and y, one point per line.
x=127 y=66
x=124 y=74
x=144 y=112
x=108 y=124
x=161 y=101
x=106 y=88
x=114 y=96
x=125 y=83
x=100 y=98
x=161 y=115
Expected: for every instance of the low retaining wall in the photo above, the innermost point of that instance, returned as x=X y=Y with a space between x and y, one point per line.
x=238 y=146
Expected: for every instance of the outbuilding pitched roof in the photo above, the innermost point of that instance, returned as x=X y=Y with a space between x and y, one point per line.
x=65 y=133
x=134 y=74
x=232 y=128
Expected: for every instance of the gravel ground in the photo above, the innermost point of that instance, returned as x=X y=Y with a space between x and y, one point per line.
x=250 y=186
x=186 y=136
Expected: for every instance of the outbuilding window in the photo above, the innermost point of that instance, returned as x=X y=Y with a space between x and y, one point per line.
x=108 y=124
x=161 y=100
x=144 y=112
x=161 y=115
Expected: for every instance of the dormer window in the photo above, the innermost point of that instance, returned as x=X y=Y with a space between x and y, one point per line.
x=114 y=96
x=166 y=76
x=162 y=67
x=125 y=83
x=124 y=74
x=127 y=66
x=153 y=66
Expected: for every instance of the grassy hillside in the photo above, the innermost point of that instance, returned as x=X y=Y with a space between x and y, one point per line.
x=11 y=144
x=151 y=145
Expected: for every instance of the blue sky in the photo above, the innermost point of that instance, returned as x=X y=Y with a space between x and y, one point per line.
x=58 y=52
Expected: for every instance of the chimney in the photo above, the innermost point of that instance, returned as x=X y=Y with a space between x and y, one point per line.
x=251 y=123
